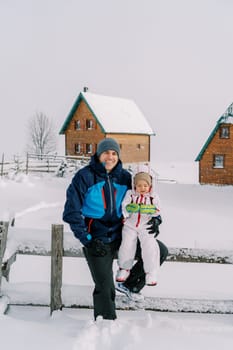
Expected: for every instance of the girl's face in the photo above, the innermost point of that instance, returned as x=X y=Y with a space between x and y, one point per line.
x=142 y=187
x=109 y=159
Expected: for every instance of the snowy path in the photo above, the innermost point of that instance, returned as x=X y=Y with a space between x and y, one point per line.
x=133 y=330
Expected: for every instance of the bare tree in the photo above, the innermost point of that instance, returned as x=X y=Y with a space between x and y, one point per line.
x=42 y=138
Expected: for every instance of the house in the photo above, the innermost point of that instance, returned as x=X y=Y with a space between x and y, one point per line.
x=94 y=117
x=216 y=156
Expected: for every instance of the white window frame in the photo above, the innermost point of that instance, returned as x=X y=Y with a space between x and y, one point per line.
x=218 y=161
x=89 y=148
x=77 y=125
x=224 y=132
x=89 y=124
x=77 y=148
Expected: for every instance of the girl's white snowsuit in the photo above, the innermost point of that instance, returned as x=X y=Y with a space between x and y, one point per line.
x=137 y=210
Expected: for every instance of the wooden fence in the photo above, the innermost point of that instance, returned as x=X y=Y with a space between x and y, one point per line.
x=56 y=262
x=3 y=240
x=41 y=164
x=57 y=252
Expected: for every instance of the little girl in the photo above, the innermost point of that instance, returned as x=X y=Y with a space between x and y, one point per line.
x=138 y=206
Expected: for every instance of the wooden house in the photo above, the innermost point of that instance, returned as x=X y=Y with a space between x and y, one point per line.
x=94 y=117
x=216 y=156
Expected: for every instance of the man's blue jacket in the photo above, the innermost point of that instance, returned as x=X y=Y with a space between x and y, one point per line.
x=93 y=203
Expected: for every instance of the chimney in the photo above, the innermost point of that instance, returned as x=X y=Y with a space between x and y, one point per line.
x=85 y=89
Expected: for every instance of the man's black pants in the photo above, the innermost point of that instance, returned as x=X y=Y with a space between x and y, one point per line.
x=101 y=268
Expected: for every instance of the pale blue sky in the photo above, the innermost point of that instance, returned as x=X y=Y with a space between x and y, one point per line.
x=172 y=57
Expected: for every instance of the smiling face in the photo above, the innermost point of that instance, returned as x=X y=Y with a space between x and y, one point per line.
x=142 y=187
x=109 y=159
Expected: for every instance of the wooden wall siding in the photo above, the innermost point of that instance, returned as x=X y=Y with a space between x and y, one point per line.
x=130 y=151
x=83 y=136
x=134 y=148
x=210 y=175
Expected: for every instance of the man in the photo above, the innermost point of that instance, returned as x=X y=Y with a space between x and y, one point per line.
x=93 y=211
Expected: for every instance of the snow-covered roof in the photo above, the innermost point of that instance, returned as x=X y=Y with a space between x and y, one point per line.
x=226 y=118
x=114 y=114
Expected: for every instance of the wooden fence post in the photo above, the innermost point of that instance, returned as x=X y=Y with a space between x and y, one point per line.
x=2 y=164
x=56 y=267
x=27 y=163
x=3 y=238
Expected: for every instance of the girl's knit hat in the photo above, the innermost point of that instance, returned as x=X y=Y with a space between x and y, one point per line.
x=143 y=176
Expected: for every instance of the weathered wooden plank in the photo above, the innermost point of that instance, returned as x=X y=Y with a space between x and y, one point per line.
x=175 y=254
x=162 y=304
x=3 y=238
x=56 y=267
x=4 y=304
x=7 y=265
x=200 y=255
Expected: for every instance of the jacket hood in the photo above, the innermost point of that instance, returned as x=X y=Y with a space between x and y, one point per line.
x=145 y=168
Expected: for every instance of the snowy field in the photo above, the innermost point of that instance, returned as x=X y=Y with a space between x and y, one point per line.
x=193 y=216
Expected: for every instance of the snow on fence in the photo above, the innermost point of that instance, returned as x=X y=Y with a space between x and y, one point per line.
x=61 y=244
x=34 y=163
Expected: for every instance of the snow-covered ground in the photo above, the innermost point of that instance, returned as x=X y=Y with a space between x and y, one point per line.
x=28 y=328
x=193 y=216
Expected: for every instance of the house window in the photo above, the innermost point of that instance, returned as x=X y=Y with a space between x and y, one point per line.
x=77 y=147
x=218 y=161
x=77 y=125
x=224 y=132
x=89 y=148
x=89 y=124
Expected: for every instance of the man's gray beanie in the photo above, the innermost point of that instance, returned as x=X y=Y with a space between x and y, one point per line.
x=106 y=145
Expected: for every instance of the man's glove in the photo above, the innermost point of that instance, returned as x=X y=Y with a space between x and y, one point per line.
x=154 y=223
x=97 y=248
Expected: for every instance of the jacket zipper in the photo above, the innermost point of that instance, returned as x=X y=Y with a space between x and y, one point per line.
x=110 y=194
x=139 y=199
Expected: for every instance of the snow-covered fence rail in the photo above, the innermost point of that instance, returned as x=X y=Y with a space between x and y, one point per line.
x=33 y=163
x=175 y=254
x=59 y=244
x=53 y=163
x=216 y=256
